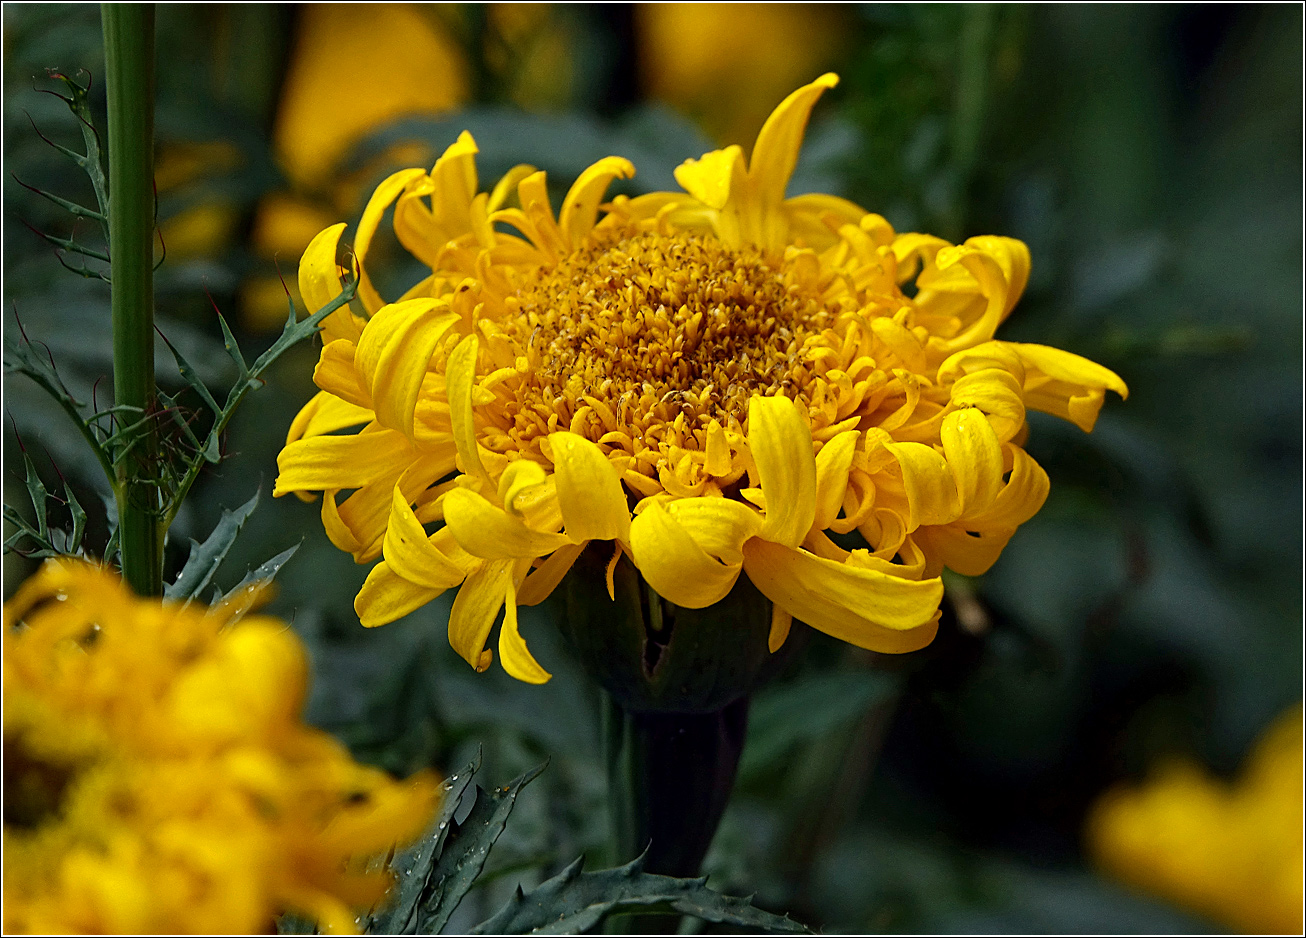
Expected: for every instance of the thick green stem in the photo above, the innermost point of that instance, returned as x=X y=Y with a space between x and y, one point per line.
x=671 y=775
x=129 y=81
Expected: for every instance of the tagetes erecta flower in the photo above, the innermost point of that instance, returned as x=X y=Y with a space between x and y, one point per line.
x=1229 y=851
x=715 y=381
x=158 y=777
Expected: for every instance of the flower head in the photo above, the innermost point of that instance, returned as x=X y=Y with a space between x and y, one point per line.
x=157 y=776
x=716 y=381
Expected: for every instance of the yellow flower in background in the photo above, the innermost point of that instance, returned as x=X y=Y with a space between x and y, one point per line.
x=1229 y=851
x=725 y=64
x=158 y=777
x=713 y=382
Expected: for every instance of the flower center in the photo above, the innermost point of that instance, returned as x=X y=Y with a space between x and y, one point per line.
x=635 y=330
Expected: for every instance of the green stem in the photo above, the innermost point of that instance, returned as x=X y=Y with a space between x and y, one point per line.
x=129 y=81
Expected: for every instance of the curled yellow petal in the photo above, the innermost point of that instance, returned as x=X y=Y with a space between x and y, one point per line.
x=781 y=622
x=544 y=579
x=339 y=462
x=385 y=193
x=394 y=352
x=713 y=177
x=781 y=444
x=720 y=526
x=864 y=607
x=336 y=374
x=460 y=376
x=475 y=609
x=515 y=657
x=581 y=206
x=673 y=563
x=776 y=152
x=975 y=457
x=485 y=530
x=832 y=464
x=319 y=284
x=590 y=495
x=325 y=413
x=386 y=596
x=409 y=552
x=931 y=490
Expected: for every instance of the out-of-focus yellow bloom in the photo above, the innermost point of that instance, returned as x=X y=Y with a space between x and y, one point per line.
x=158 y=777
x=355 y=67
x=1229 y=851
x=726 y=63
x=713 y=381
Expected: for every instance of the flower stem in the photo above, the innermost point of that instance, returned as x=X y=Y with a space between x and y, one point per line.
x=669 y=778
x=129 y=80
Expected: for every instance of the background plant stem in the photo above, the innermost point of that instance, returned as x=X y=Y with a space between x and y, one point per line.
x=129 y=67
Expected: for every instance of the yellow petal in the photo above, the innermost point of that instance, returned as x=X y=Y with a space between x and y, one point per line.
x=968 y=553
x=515 y=657
x=1013 y=257
x=975 y=458
x=717 y=459
x=867 y=608
x=781 y=444
x=520 y=476
x=544 y=579
x=336 y=374
x=581 y=206
x=674 y=564
x=386 y=596
x=931 y=491
x=460 y=375
x=590 y=495
x=385 y=193
x=339 y=462
x=394 y=352
x=714 y=177
x=998 y=394
x=485 y=530
x=832 y=465
x=475 y=609
x=720 y=526
x=326 y=413
x=1065 y=384
x=1020 y=499
x=776 y=152
x=781 y=622
x=411 y=554
x=319 y=284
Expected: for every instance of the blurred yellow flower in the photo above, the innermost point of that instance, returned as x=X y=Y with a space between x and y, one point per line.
x=158 y=778
x=1229 y=851
x=724 y=64
x=712 y=381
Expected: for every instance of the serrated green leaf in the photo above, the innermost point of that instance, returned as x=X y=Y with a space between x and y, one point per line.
x=39 y=496
x=414 y=867
x=205 y=558
x=79 y=519
x=233 y=349
x=192 y=377
x=465 y=852
x=575 y=901
x=244 y=595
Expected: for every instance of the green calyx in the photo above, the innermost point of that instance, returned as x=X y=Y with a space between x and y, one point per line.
x=652 y=656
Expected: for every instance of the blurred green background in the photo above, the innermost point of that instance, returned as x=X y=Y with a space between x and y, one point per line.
x=1151 y=158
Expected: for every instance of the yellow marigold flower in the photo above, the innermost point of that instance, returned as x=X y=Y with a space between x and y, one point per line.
x=714 y=380
x=1230 y=851
x=157 y=776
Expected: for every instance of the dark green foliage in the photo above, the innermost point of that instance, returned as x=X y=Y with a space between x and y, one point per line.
x=574 y=902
